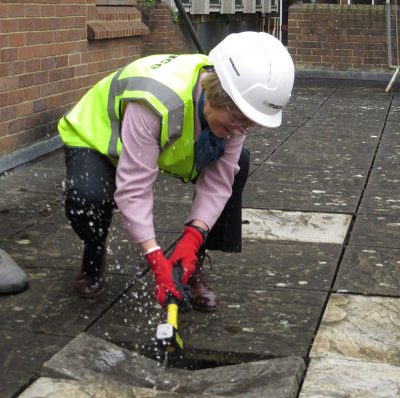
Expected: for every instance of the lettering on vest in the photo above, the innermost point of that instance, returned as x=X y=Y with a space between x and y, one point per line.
x=164 y=61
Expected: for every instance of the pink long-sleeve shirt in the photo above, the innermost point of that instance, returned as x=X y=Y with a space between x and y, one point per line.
x=137 y=170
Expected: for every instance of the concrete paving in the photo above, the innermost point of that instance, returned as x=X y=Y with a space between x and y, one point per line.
x=310 y=308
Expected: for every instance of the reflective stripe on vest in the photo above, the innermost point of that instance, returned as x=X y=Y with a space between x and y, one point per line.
x=168 y=97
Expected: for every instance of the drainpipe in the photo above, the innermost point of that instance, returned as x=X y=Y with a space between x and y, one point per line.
x=280 y=19
x=189 y=26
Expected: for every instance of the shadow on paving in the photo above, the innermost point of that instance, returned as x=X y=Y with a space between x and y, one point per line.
x=325 y=158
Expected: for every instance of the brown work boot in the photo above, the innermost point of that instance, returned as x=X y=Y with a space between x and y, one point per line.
x=90 y=282
x=88 y=286
x=204 y=298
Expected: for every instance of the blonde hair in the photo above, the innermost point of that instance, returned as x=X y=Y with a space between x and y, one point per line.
x=215 y=94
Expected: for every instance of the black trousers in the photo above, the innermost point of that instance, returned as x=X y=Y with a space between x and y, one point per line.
x=89 y=205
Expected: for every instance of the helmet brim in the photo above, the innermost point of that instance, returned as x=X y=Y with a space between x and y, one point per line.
x=267 y=120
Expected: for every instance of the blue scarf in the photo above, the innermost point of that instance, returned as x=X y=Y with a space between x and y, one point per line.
x=208 y=148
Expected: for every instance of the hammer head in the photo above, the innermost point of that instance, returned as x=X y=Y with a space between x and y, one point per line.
x=168 y=337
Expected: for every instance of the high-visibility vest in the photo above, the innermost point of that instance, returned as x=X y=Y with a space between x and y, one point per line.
x=164 y=82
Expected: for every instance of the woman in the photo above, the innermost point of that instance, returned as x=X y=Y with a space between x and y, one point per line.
x=186 y=115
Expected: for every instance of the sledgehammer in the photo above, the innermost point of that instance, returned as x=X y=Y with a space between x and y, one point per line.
x=167 y=333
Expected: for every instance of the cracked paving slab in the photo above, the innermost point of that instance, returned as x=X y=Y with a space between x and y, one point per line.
x=90 y=361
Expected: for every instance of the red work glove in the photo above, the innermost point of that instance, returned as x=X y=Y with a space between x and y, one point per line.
x=162 y=269
x=186 y=251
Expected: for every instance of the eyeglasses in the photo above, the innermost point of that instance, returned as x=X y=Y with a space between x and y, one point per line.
x=240 y=126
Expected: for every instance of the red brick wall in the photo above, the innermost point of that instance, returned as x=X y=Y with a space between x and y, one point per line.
x=47 y=64
x=338 y=37
x=165 y=34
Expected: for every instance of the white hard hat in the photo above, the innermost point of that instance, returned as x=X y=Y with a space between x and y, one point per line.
x=257 y=72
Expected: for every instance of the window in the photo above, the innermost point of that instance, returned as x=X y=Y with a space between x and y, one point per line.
x=227 y=6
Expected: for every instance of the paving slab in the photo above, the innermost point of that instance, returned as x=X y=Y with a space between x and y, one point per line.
x=372 y=271
x=362 y=92
x=313 y=178
x=304 y=102
x=249 y=324
x=394 y=113
x=12 y=382
x=356 y=103
x=291 y=198
x=51 y=161
x=252 y=324
x=20 y=209
x=302 y=155
x=330 y=145
x=44 y=174
x=46 y=387
x=22 y=356
x=376 y=231
x=263 y=142
x=88 y=360
x=391 y=135
x=295 y=226
x=265 y=136
x=340 y=129
x=360 y=327
x=39 y=246
x=380 y=200
x=386 y=178
x=395 y=96
x=388 y=158
x=31 y=179
x=275 y=264
x=49 y=305
x=343 y=378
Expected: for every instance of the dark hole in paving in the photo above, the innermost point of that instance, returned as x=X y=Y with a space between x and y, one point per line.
x=182 y=362
x=195 y=361
x=192 y=364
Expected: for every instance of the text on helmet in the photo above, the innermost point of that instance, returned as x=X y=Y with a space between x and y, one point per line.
x=273 y=106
